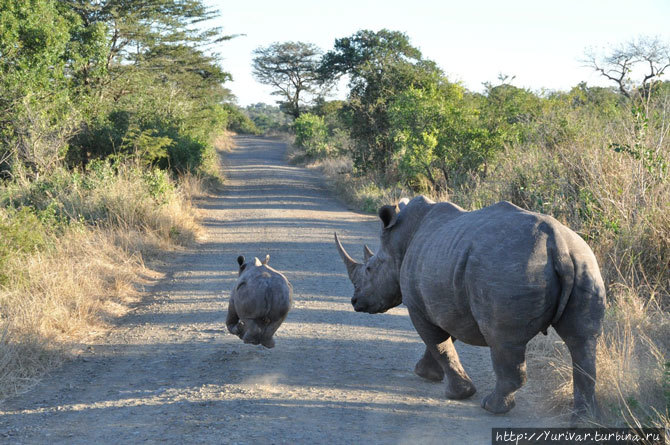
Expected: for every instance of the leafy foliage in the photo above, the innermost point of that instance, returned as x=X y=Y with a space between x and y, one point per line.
x=438 y=131
x=311 y=134
x=268 y=118
x=380 y=65
x=35 y=96
x=291 y=68
x=83 y=80
x=239 y=122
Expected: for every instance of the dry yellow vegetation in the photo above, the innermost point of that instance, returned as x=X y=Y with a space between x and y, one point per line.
x=74 y=249
x=621 y=205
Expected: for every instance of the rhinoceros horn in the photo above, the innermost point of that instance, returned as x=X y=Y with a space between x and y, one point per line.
x=348 y=261
x=367 y=253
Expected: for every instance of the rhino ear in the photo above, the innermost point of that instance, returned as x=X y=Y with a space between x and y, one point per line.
x=240 y=261
x=388 y=214
x=266 y=260
x=257 y=262
x=402 y=203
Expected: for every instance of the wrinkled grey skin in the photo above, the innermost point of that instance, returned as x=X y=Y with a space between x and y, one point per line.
x=258 y=303
x=493 y=277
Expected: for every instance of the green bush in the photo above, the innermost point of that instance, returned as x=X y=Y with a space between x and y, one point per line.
x=311 y=134
x=268 y=118
x=438 y=135
x=239 y=122
x=21 y=232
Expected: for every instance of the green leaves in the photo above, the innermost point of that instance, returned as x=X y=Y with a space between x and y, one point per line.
x=146 y=145
x=437 y=132
x=291 y=68
x=311 y=133
x=90 y=79
x=380 y=65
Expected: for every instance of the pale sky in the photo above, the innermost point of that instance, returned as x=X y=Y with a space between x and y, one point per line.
x=540 y=42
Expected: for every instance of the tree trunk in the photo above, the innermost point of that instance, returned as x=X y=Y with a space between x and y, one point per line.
x=429 y=174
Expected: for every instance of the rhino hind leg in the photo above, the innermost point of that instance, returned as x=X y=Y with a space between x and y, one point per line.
x=581 y=343
x=580 y=327
x=428 y=368
x=509 y=364
x=583 y=353
x=441 y=347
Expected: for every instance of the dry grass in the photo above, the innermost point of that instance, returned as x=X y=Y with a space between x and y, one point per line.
x=223 y=142
x=86 y=273
x=621 y=205
x=61 y=296
x=362 y=192
x=632 y=365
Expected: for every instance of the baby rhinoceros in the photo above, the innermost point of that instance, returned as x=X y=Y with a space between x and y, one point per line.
x=259 y=302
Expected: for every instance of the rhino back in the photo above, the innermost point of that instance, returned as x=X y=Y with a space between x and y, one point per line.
x=262 y=292
x=484 y=273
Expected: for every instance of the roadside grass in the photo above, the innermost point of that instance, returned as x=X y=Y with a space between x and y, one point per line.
x=620 y=204
x=76 y=248
x=362 y=192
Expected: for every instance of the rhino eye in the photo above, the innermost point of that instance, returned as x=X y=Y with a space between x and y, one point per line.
x=368 y=268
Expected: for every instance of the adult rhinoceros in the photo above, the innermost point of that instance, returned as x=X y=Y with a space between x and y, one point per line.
x=493 y=277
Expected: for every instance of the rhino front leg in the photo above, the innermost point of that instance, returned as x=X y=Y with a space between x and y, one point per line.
x=428 y=368
x=509 y=364
x=441 y=348
x=232 y=321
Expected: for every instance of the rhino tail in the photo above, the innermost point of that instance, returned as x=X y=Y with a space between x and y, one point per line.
x=565 y=268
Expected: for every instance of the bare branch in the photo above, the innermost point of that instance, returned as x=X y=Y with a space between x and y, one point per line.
x=621 y=62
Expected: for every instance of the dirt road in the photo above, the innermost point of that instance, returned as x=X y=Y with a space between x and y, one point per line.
x=170 y=373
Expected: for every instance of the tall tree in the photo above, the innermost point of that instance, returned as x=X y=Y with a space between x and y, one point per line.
x=157 y=36
x=158 y=71
x=291 y=68
x=380 y=65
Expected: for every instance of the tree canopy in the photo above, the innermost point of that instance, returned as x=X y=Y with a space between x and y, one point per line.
x=81 y=79
x=380 y=65
x=291 y=68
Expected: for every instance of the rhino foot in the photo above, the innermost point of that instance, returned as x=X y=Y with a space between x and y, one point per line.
x=235 y=330
x=498 y=405
x=585 y=415
x=429 y=370
x=460 y=389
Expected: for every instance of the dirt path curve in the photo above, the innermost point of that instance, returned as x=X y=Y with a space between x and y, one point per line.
x=170 y=373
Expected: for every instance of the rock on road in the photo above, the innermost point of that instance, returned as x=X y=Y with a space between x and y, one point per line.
x=169 y=372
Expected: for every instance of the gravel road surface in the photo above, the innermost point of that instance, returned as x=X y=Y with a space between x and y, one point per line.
x=169 y=372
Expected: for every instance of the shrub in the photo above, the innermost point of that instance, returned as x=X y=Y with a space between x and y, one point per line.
x=311 y=134
x=239 y=122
